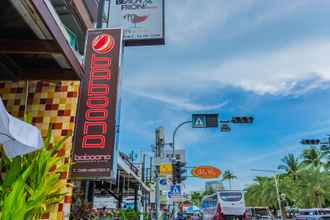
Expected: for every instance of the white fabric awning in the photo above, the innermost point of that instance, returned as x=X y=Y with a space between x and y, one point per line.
x=17 y=136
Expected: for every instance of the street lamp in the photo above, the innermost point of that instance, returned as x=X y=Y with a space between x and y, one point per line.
x=211 y=121
x=174 y=134
x=276 y=186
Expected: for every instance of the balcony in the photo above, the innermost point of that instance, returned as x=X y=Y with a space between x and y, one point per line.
x=36 y=43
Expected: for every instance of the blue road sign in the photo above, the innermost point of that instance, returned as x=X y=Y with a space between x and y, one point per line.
x=175 y=190
x=198 y=121
x=163 y=182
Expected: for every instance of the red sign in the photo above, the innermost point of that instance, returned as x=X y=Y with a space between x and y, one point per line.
x=94 y=147
x=206 y=172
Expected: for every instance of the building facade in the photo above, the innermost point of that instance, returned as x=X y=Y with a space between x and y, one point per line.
x=41 y=64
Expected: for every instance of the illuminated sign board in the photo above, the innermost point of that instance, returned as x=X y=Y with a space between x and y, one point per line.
x=206 y=172
x=142 y=20
x=94 y=149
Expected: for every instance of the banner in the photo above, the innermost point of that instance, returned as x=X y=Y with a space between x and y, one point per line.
x=142 y=20
x=96 y=131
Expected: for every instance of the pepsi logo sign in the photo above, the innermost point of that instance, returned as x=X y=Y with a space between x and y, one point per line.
x=103 y=43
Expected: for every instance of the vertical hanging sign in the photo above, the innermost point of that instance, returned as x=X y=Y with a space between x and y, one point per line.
x=96 y=130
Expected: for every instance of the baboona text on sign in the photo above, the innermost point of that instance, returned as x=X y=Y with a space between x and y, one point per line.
x=95 y=134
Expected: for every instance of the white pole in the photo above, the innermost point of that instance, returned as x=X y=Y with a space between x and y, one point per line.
x=278 y=196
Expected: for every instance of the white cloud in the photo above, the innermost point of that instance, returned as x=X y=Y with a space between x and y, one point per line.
x=278 y=71
x=191 y=20
x=178 y=103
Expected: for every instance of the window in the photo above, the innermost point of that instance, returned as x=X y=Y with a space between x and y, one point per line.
x=231 y=196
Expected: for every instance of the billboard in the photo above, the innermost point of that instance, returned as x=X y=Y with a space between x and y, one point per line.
x=206 y=172
x=96 y=130
x=141 y=20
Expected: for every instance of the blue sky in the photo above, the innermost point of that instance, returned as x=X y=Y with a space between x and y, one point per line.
x=269 y=59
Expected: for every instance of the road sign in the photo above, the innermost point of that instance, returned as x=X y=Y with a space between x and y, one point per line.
x=175 y=190
x=165 y=169
x=163 y=181
x=164 y=184
x=225 y=128
x=205 y=120
x=199 y=121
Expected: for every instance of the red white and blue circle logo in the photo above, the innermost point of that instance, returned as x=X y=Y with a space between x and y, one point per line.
x=103 y=43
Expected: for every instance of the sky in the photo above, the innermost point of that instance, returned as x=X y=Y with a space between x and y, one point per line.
x=268 y=59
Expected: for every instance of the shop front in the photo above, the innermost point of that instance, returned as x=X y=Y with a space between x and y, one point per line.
x=41 y=68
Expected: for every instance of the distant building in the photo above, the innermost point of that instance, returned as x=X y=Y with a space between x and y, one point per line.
x=179 y=154
x=214 y=185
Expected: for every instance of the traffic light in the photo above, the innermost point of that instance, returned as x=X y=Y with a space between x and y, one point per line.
x=178 y=171
x=225 y=128
x=311 y=141
x=242 y=120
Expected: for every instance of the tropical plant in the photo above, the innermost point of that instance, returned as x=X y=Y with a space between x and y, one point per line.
x=32 y=182
x=262 y=192
x=196 y=198
x=305 y=185
x=290 y=164
x=229 y=176
x=314 y=156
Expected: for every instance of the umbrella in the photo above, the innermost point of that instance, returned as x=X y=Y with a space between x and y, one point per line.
x=16 y=136
x=192 y=209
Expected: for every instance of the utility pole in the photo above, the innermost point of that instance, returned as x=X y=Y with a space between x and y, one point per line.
x=143 y=167
x=277 y=188
x=100 y=11
x=159 y=152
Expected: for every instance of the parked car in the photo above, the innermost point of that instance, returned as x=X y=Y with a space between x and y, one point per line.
x=313 y=214
x=259 y=213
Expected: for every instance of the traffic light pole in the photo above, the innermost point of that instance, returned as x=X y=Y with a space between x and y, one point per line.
x=174 y=134
x=157 y=198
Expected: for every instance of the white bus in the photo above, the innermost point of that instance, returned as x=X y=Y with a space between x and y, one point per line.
x=224 y=205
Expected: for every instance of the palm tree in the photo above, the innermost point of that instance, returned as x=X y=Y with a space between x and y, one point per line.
x=229 y=176
x=290 y=164
x=311 y=156
x=196 y=198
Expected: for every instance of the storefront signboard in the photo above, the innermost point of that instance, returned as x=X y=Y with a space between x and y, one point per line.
x=142 y=21
x=206 y=172
x=96 y=130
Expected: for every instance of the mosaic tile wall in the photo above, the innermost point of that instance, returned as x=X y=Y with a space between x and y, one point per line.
x=51 y=102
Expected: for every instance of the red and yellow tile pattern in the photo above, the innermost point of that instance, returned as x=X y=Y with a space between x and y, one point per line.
x=49 y=102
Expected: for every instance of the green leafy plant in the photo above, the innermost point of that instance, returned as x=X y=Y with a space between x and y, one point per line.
x=305 y=182
x=31 y=183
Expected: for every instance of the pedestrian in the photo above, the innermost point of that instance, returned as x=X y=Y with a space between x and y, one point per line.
x=195 y=217
x=165 y=216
